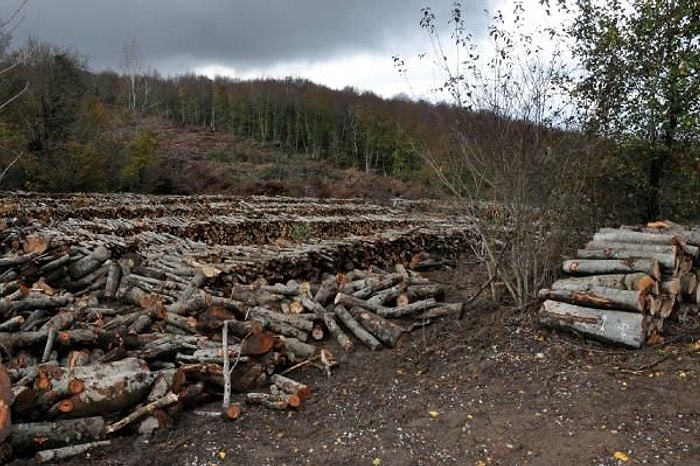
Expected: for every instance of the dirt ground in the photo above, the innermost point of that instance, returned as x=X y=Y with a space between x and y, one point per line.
x=492 y=389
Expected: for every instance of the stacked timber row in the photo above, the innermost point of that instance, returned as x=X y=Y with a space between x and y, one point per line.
x=625 y=283
x=60 y=207
x=101 y=332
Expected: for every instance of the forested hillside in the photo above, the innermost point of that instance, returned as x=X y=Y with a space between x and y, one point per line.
x=85 y=131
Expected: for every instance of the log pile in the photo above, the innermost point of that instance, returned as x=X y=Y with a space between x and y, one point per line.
x=107 y=332
x=625 y=283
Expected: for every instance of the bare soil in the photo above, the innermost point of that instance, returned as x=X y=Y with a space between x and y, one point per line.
x=492 y=389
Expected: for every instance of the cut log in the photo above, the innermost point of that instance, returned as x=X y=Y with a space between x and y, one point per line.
x=232 y=412
x=55 y=454
x=408 y=309
x=667 y=260
x=640 y=249
x=351 y=301
x=89 y=263
x=329 y=321
x=445 y=310
x=599 y=297
x=686 y=235
x=290 y=319
x=387 y=332
x=617 y=327
x=662 y=306
x=628 y=236
x=5 y=402
x=297 y=350
x=602 y=266
x=380 y=284
x=31 y=437
x=267 y=400
x=282 y=328
x=291 y=386
x=634 y=281
x=109 y=387
x=356 y=329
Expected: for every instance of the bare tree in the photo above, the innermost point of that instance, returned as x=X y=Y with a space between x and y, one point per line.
x=7 y=26
x=132 y=67
x=518 y=170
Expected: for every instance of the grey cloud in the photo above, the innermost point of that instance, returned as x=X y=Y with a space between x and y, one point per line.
x=243 y=34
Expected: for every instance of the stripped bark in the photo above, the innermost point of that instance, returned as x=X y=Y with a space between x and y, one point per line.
x=599 y=297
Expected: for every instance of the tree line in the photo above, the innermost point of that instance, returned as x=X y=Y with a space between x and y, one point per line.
x=66 y=123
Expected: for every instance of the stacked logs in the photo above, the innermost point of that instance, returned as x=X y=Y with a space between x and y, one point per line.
x=625 y=283
x=104 y=332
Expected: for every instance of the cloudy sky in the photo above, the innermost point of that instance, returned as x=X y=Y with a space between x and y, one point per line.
x=335 y=42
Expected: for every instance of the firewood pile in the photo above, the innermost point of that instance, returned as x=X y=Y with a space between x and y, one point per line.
x=626 y=283
x=104 y=331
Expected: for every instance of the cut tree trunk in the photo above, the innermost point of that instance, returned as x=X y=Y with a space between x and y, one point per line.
x=632 y=281
x=408 y=309
x=109 y=387
x=667 y=260
x=358 y=331
x=387 y=332
x=605 y=266
x=599 y=297
x=627 y=236
x=617 y=327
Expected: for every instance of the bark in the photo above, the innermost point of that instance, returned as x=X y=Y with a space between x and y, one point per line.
x=602 y=266
x=617 y=327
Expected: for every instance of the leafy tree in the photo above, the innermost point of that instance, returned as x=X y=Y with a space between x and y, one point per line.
x=641 y=83
x=140 y=158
